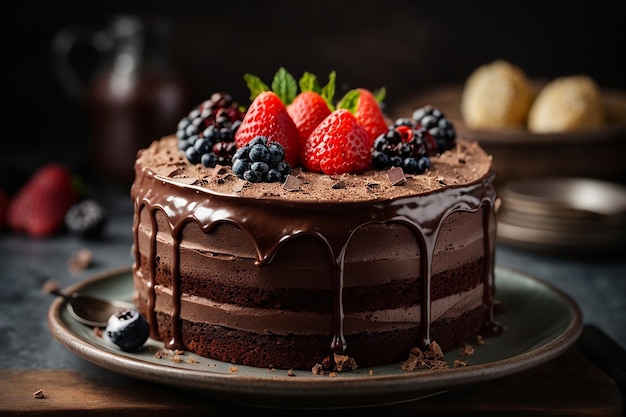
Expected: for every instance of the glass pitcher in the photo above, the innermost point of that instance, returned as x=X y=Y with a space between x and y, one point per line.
x=132 y=97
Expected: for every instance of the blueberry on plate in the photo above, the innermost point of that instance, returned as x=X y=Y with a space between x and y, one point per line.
x=127 y=329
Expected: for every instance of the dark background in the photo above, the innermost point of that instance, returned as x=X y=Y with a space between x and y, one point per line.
x=406 y=46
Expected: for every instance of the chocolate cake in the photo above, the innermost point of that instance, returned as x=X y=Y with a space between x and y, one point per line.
x=300 y=233
x=274 y=276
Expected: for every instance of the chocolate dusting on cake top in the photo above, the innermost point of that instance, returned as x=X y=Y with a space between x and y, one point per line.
x=464 y=164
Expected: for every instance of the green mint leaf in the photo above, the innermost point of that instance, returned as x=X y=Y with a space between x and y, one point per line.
x=379 y=94
x=328 y=91
x=349 y=101
x=285 y=86
x=255 y=85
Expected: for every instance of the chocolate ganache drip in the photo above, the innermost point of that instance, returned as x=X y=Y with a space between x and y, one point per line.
x=270 y=222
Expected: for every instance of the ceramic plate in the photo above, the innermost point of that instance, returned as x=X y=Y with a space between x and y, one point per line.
x=561 y=214
x=540 y=323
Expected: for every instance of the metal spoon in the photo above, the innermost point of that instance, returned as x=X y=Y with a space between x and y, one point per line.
x=91 y=311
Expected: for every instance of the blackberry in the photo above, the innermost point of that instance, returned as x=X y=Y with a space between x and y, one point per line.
x=437 y=125
x=86 y=219
x=260 y=161
x=404 y=146
x=207 y=134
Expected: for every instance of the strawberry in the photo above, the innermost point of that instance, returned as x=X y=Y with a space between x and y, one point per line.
x=338 y=145
x=39 y=207
x=267 y=116
x=312 y=105
x=366 y=108
x=307 y=111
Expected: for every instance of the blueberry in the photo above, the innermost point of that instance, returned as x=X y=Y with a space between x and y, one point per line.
x=259 y=153
x=240 y=166
x=260 y=167
x=252 y=176
x=127 y=329
x=423 y=163
x=202 y=145
x=277 y=153
x=409 y=165
x=380 y=160
x=274 y=175
x=209 y=159
x=284 y=168
x=193 y=155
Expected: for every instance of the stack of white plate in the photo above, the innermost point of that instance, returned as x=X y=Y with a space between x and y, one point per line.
x=575 y=215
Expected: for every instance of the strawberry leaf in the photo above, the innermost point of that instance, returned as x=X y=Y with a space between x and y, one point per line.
x=255 y=85
x=328 y=91
x=379 y=94
x=285 y=86
x=308 y=82
x=349 y=101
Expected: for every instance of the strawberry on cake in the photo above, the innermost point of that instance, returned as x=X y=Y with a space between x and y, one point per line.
x=300 y=231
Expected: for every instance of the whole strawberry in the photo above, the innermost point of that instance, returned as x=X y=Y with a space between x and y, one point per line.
x=338 y=145
x=312 y=105
x=267 y=116
x=366 y=108
x=38 y=209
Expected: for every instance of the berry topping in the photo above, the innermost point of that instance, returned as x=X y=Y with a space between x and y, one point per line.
x=338 y=145
x=207 y=134
x=312 y=105
x=261 y=161
x=127 y=329
x=437 y=125
x=404 y=145
x=39 y=207
x=86 y=219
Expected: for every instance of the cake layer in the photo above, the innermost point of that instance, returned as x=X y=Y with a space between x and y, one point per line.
x=381 y=266
x=293 y=351
x=283 y=322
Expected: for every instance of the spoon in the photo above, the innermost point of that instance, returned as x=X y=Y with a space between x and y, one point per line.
x=90 y=311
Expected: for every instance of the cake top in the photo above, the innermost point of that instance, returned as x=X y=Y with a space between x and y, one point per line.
x=464 y=164
x=295 y=143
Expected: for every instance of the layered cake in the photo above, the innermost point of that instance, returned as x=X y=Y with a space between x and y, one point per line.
x=365 y=263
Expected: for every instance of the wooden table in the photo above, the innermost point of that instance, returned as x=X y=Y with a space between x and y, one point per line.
x=570 y=385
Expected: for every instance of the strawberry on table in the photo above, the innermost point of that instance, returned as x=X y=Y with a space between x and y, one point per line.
x=38 y=209
x=338 y=145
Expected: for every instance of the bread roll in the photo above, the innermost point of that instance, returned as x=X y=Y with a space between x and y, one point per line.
x=496 y=95
x=566 y=104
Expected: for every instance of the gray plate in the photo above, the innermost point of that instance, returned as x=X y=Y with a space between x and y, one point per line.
x=540 y=323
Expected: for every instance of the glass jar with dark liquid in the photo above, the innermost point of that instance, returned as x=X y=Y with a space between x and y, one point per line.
x=134 y=96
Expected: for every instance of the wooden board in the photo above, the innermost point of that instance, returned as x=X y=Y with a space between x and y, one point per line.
x=568 y=385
